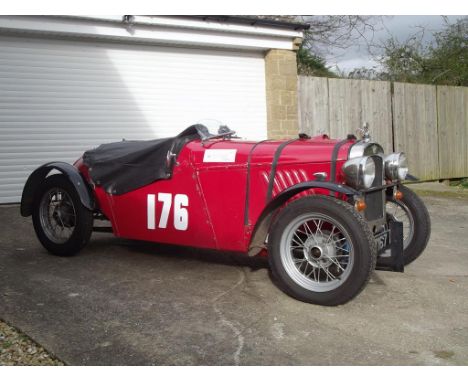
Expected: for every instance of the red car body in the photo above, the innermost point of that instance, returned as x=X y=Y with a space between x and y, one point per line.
x=221 y=213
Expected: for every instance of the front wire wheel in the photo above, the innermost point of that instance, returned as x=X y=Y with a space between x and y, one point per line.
x=401 y=213
x=321 y=250
x=412 y=212
x=317 y=252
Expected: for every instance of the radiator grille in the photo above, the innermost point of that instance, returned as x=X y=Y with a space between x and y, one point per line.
x=375 y=200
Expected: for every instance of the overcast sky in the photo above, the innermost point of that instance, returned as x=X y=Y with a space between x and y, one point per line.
x=400 y=27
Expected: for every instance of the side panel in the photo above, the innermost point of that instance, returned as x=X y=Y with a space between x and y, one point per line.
x=167 y=211
x=221 y=167
x=224 y=192
x=221 y=211
x=234 y=205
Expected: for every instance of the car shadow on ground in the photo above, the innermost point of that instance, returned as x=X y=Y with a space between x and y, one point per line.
x=237 y=259
x=234 y=259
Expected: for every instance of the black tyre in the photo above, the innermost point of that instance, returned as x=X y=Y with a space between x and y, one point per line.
x=62 y=224
x=412 y=212
x=321 y=250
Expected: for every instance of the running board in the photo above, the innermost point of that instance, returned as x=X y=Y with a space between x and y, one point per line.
x=103 y=229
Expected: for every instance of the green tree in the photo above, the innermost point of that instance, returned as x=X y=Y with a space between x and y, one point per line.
x=445 y=61
x=448 y=58
x=310 y=64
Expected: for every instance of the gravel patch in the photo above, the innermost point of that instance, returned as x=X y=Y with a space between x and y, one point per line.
x=17 y=349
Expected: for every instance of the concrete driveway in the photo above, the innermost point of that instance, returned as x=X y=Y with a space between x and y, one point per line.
x=122 y=302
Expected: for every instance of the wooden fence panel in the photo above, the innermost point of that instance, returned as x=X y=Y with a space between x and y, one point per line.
x=313 y=105
x=345 y=107
x=353 y=102
x=429 y=123
x=376 y=109
x=452 y=112
x=415 y=128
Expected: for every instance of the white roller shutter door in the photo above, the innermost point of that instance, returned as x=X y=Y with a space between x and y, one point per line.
x=61 y=97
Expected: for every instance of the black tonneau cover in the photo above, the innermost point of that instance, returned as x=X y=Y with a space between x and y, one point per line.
x=120 y=167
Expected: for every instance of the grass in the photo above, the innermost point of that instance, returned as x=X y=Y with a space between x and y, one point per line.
x=455 y=188
x=460 y=183
x=6 y=344
x=447 y=194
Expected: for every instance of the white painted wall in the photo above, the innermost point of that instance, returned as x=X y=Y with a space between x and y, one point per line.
x=61 y=97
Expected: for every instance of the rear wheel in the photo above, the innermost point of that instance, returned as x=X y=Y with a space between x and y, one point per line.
x=62 y=224
x=321 y=250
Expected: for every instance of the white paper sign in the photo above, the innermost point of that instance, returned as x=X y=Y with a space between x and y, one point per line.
x=220 y=155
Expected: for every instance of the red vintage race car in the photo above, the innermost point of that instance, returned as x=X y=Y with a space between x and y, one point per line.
x=325 y=212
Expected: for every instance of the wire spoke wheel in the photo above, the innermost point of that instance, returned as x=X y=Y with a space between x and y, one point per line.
x=401 y=213
x=321 y=250
x=317 y=252
x=57 y=215
x=62 y=223
x=411 y=211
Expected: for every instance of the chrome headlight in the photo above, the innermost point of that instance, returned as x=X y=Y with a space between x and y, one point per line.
x=396 y=166
x=361 y=148
x=359 y=172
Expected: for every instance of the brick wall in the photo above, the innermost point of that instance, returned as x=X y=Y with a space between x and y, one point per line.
x=281 y=93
